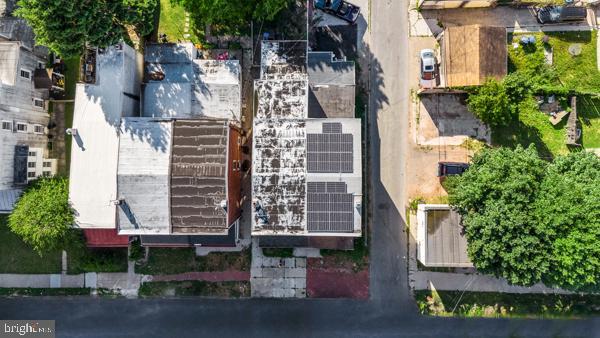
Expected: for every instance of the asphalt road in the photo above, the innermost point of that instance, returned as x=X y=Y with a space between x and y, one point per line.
x=390 y=311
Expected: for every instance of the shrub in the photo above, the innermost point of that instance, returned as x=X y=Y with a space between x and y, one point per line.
x=42 y=216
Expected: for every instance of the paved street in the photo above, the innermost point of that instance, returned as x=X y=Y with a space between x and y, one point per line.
x=391 y=310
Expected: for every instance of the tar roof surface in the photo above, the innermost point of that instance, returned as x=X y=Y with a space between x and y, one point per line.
x=281 y=99
x=283 y=59
x=279 y=174
x=198 y=176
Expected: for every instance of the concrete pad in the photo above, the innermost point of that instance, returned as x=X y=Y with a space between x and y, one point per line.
x=91 y=280
x=24 y=281
x=427 y=280
x=300 y=262
x=300 y=293
x=299 y=283
x=72 y=281
x=295 y=273
x=55 y=281
x=256 y=272
x=273 y=273
x=307 y=252
x=289 y=262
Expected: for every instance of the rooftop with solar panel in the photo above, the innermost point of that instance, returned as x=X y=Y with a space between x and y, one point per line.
x=307 y=172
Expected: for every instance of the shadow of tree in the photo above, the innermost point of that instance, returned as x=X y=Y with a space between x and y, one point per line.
x=518 y=133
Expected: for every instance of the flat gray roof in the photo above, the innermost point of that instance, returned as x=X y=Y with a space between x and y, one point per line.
x=323 y=69
x=177 y=84
x=143 y=176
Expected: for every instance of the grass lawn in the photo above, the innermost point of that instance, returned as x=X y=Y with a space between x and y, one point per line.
x=576 y=73
x=588 y=110
x=71 y=78
x=179 y=260
x=492 y=304
x=83 y=259
x=18 y=257
x=196 y=288
x=172 y=23
x=359 y=256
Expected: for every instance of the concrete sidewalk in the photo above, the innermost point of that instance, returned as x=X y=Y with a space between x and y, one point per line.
x=125 y=283
x=277 y=277
x=428 y=280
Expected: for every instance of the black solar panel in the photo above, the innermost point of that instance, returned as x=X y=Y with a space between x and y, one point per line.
x=332 y=128
x=329 y=207
x=330 y=153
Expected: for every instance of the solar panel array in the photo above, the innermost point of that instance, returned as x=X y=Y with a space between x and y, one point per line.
x=332 y=128
x=331 y=151
x=329 y=207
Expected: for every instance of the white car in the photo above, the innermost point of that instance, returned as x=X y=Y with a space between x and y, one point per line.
x=427 y=64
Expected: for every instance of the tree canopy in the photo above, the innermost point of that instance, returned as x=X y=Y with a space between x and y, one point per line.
x=65 y=26
x=490 y=103
x=42 y=216
x=528 y=220
x=232 y=16
x=569 y=206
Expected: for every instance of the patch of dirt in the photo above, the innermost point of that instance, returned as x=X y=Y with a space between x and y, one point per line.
x=321 y=283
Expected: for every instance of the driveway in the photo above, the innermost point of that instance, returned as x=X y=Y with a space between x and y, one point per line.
x=432 y=22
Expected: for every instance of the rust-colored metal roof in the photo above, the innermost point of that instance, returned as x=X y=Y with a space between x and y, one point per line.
x=198 y=176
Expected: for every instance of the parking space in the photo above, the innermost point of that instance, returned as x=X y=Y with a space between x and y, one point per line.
x=445 y=119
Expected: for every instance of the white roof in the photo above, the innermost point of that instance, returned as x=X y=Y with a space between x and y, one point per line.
x=143 y=176
x=94 y=150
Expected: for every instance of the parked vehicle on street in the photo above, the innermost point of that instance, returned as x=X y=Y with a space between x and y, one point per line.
x=427 y=64
x=340 y=8
x=451 y=168
x=560 y=14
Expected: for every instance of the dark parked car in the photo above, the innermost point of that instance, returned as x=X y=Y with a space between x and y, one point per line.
x=340 y=8
x=451 y=168
x=560 y=14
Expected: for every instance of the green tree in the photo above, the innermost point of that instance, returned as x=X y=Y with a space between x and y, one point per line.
x=569 y=207
x=232 y=16
x=65 y=26
x=490 y=103
x=495 y=197
x=42 y=216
